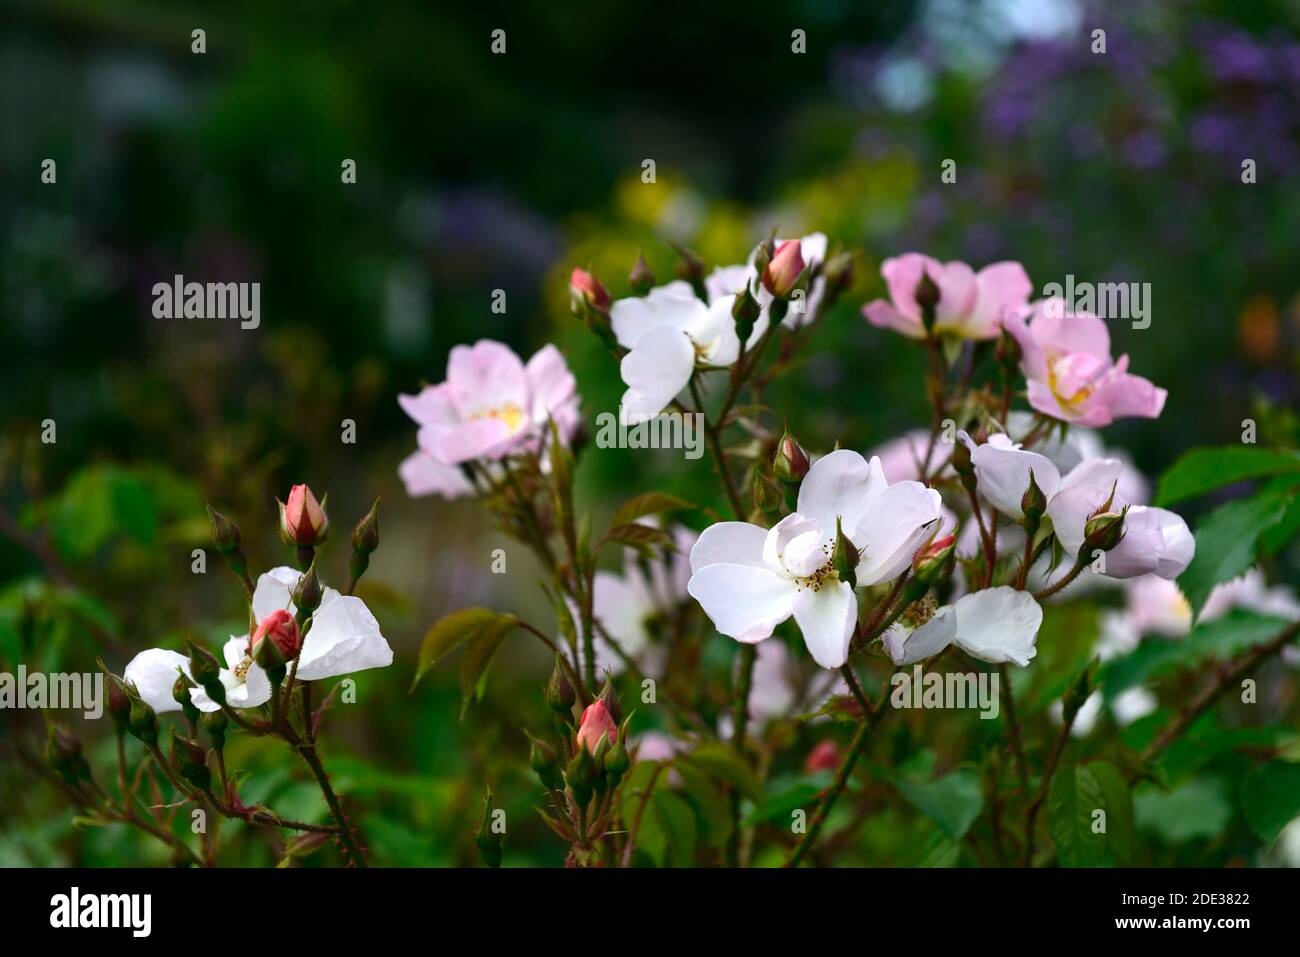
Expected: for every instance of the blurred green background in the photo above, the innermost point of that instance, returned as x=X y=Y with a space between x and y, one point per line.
x=478 y=172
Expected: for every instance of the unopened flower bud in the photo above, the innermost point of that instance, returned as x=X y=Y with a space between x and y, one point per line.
x=206 y=670
x=191 y=761
x=559 y=692
x=790 y=464
x=487 y=837
x=839 y=272
x=1033 y=504
x=541 y=758
x=845 y=557
x=119 y=699
x=960 y=460
x=782 y=275
x=745 y=310
x=616 y=764
x=933 y=563
x=225 y=533
x=63 y=754
x=586 y=292
x=596 y=723
x=927 y=298
x=365 y=537
x=307 y=594
x=276 y=641
x=1104 y=531
x=825 y=756
x=303 y=521
x=143 y=722
x=181 y=695
x=609 y=697
x=689 y=266
x=215 y=724
x=580 y=776
x=641 y=279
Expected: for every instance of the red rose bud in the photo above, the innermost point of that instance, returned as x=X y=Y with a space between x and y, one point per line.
x=276 y=640
x=933 y=563
x=596 y=723
x=824 y=757
x=119 y=698
x=585 y=291
x=303 y=521
x=782 y=274
x=790 y=463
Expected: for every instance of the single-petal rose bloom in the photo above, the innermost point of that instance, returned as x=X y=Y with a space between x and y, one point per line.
x=344 y=638
x=302 y=520
x=749 y=579
x=1066 y=358
x=491 y=405
x=971 y=305
x=596 y=723
x=669 y=332
x=996 y=625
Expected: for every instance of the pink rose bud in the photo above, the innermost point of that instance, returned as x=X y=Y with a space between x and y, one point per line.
x=824 y=757
x=302 y=520
x=585 y=287
x=596 y=723
x=281 y=631
x=784 y=270
x=933 y=563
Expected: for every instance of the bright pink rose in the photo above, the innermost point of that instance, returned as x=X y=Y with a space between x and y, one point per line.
x=970 y=304
x=491 y=405
x=1066 y=358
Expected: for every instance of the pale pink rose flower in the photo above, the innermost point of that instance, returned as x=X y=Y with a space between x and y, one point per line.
x=971 y=305
x=1066 y=358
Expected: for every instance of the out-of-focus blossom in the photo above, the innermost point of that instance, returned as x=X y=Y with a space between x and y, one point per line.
x=491 y=406
x=1066 y=358
x=825 y=756
x=903 y=458
x=969 y=305
x=749 y=579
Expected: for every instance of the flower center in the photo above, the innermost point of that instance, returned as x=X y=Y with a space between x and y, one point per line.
x=241 y=669
x=920 y=611
x=826 y=574
x=509 y=413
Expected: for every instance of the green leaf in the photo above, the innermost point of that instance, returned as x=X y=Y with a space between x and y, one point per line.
x=1075 y=797
x=476 y=663
x=449 y=633
x=1203 y=470
x=1226 y=540
x=676 y=823
x=723 y=762
x=953 y=801
x=1270 y=796
x=651 y=503
x=1118 y=802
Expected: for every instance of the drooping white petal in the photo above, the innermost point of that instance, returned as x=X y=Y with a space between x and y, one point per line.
x=903 y=519
x=344 y=638
x=743 y=602
x=998 y=624
x=907 y=646
x=826 y=617
x=736 y=543
x=657 y=368
x=153 y=672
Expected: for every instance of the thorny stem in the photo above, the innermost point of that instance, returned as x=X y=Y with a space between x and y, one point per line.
x=1031 y=814
x=1013 y=730
x=1080 y=564
x=640 y=813
x=869 y=721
